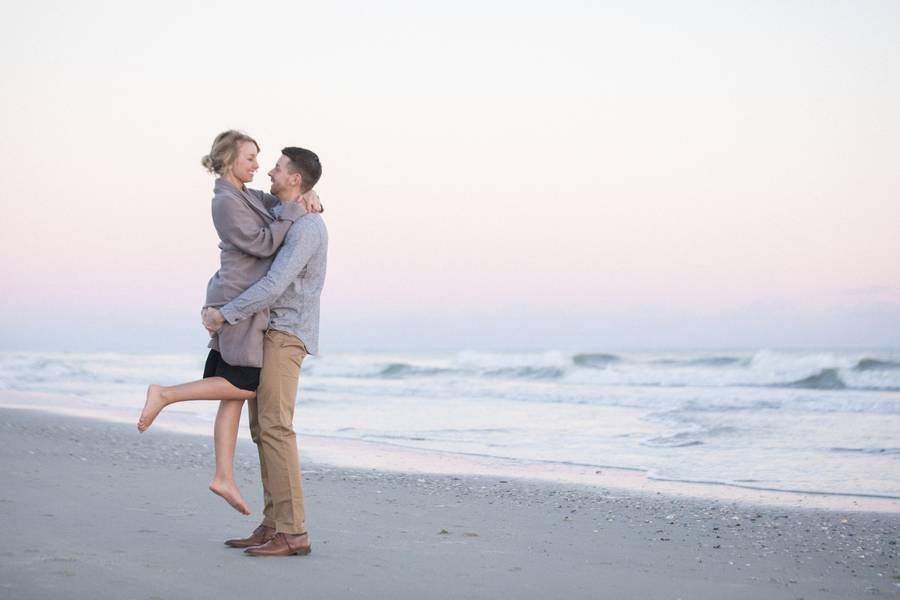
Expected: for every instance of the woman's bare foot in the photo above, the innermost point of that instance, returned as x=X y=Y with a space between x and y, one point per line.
x=230 y=492
x=152 y=406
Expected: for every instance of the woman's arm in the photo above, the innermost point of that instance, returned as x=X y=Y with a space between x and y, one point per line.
x=238 y=224
x=309 y=200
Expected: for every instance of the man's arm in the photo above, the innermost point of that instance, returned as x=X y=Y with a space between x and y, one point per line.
x=298 y=248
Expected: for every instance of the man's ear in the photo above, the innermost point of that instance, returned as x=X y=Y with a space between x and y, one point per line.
x=299 y=180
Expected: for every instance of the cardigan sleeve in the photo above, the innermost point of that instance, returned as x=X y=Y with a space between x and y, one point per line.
x=270 y=201
x=237 y=224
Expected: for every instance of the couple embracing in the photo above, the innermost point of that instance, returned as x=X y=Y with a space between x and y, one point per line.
x=262 y=312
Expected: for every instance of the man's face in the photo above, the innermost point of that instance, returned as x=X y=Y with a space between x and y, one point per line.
x=282 y=179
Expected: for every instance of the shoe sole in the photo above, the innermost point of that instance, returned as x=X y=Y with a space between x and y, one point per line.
x=244 y=544
x=301 y=552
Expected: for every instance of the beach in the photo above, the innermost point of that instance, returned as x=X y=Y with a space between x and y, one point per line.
x=94 y=510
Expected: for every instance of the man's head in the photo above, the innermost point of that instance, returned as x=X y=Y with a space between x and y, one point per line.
x=297 y=170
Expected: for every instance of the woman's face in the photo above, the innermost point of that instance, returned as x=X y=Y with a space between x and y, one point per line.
x=245 y=165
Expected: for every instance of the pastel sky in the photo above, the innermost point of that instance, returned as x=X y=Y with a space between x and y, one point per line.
x=497 y=175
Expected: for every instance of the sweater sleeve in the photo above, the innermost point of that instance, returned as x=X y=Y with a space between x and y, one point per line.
x=290 y=211
x=269 y=201
x=237 y=224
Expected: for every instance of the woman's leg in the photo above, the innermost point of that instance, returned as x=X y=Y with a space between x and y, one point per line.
x=227 y=420
x=211 y=388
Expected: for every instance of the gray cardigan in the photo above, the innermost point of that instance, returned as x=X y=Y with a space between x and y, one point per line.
x=249 y=237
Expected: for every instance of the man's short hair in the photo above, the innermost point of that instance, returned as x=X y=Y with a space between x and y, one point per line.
x=306 y=163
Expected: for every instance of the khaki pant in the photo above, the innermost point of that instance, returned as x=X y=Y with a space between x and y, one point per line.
x=272 y=430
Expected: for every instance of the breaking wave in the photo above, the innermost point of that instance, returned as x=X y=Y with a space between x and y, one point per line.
x=527 y=373
x=684 y=439
x=873 y=364
x=712 y=361
x=595 y=361
x=826 y=379
x=398 y=370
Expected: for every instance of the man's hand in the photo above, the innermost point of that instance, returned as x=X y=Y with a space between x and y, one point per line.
x=212 y=320
x=310 y=201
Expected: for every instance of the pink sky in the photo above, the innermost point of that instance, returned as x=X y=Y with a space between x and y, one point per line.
x=581 y=177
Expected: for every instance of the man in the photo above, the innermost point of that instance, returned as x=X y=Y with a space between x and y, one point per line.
x=290 y=290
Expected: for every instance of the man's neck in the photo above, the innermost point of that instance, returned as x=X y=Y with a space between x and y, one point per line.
x=289 y=196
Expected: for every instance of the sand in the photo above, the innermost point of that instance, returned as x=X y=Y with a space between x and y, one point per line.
x=90 y=509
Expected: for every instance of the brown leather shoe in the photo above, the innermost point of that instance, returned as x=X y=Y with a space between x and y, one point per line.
x=260 y=535
x=283 y=544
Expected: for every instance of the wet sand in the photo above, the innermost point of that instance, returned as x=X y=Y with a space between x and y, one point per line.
x=91 y=509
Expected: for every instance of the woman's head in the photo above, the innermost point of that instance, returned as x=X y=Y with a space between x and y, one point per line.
x=233 y=155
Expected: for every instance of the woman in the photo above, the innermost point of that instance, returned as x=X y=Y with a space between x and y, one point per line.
x=249 y=237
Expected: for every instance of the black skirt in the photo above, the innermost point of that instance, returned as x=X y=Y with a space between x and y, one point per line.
x=243 y=378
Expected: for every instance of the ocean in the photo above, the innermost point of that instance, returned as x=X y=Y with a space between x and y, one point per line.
x=809 y=421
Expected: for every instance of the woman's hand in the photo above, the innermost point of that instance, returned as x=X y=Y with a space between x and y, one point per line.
x=310 y=201
x=212 y=320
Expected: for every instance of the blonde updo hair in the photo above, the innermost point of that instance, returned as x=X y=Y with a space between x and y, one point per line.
x=224 y=150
